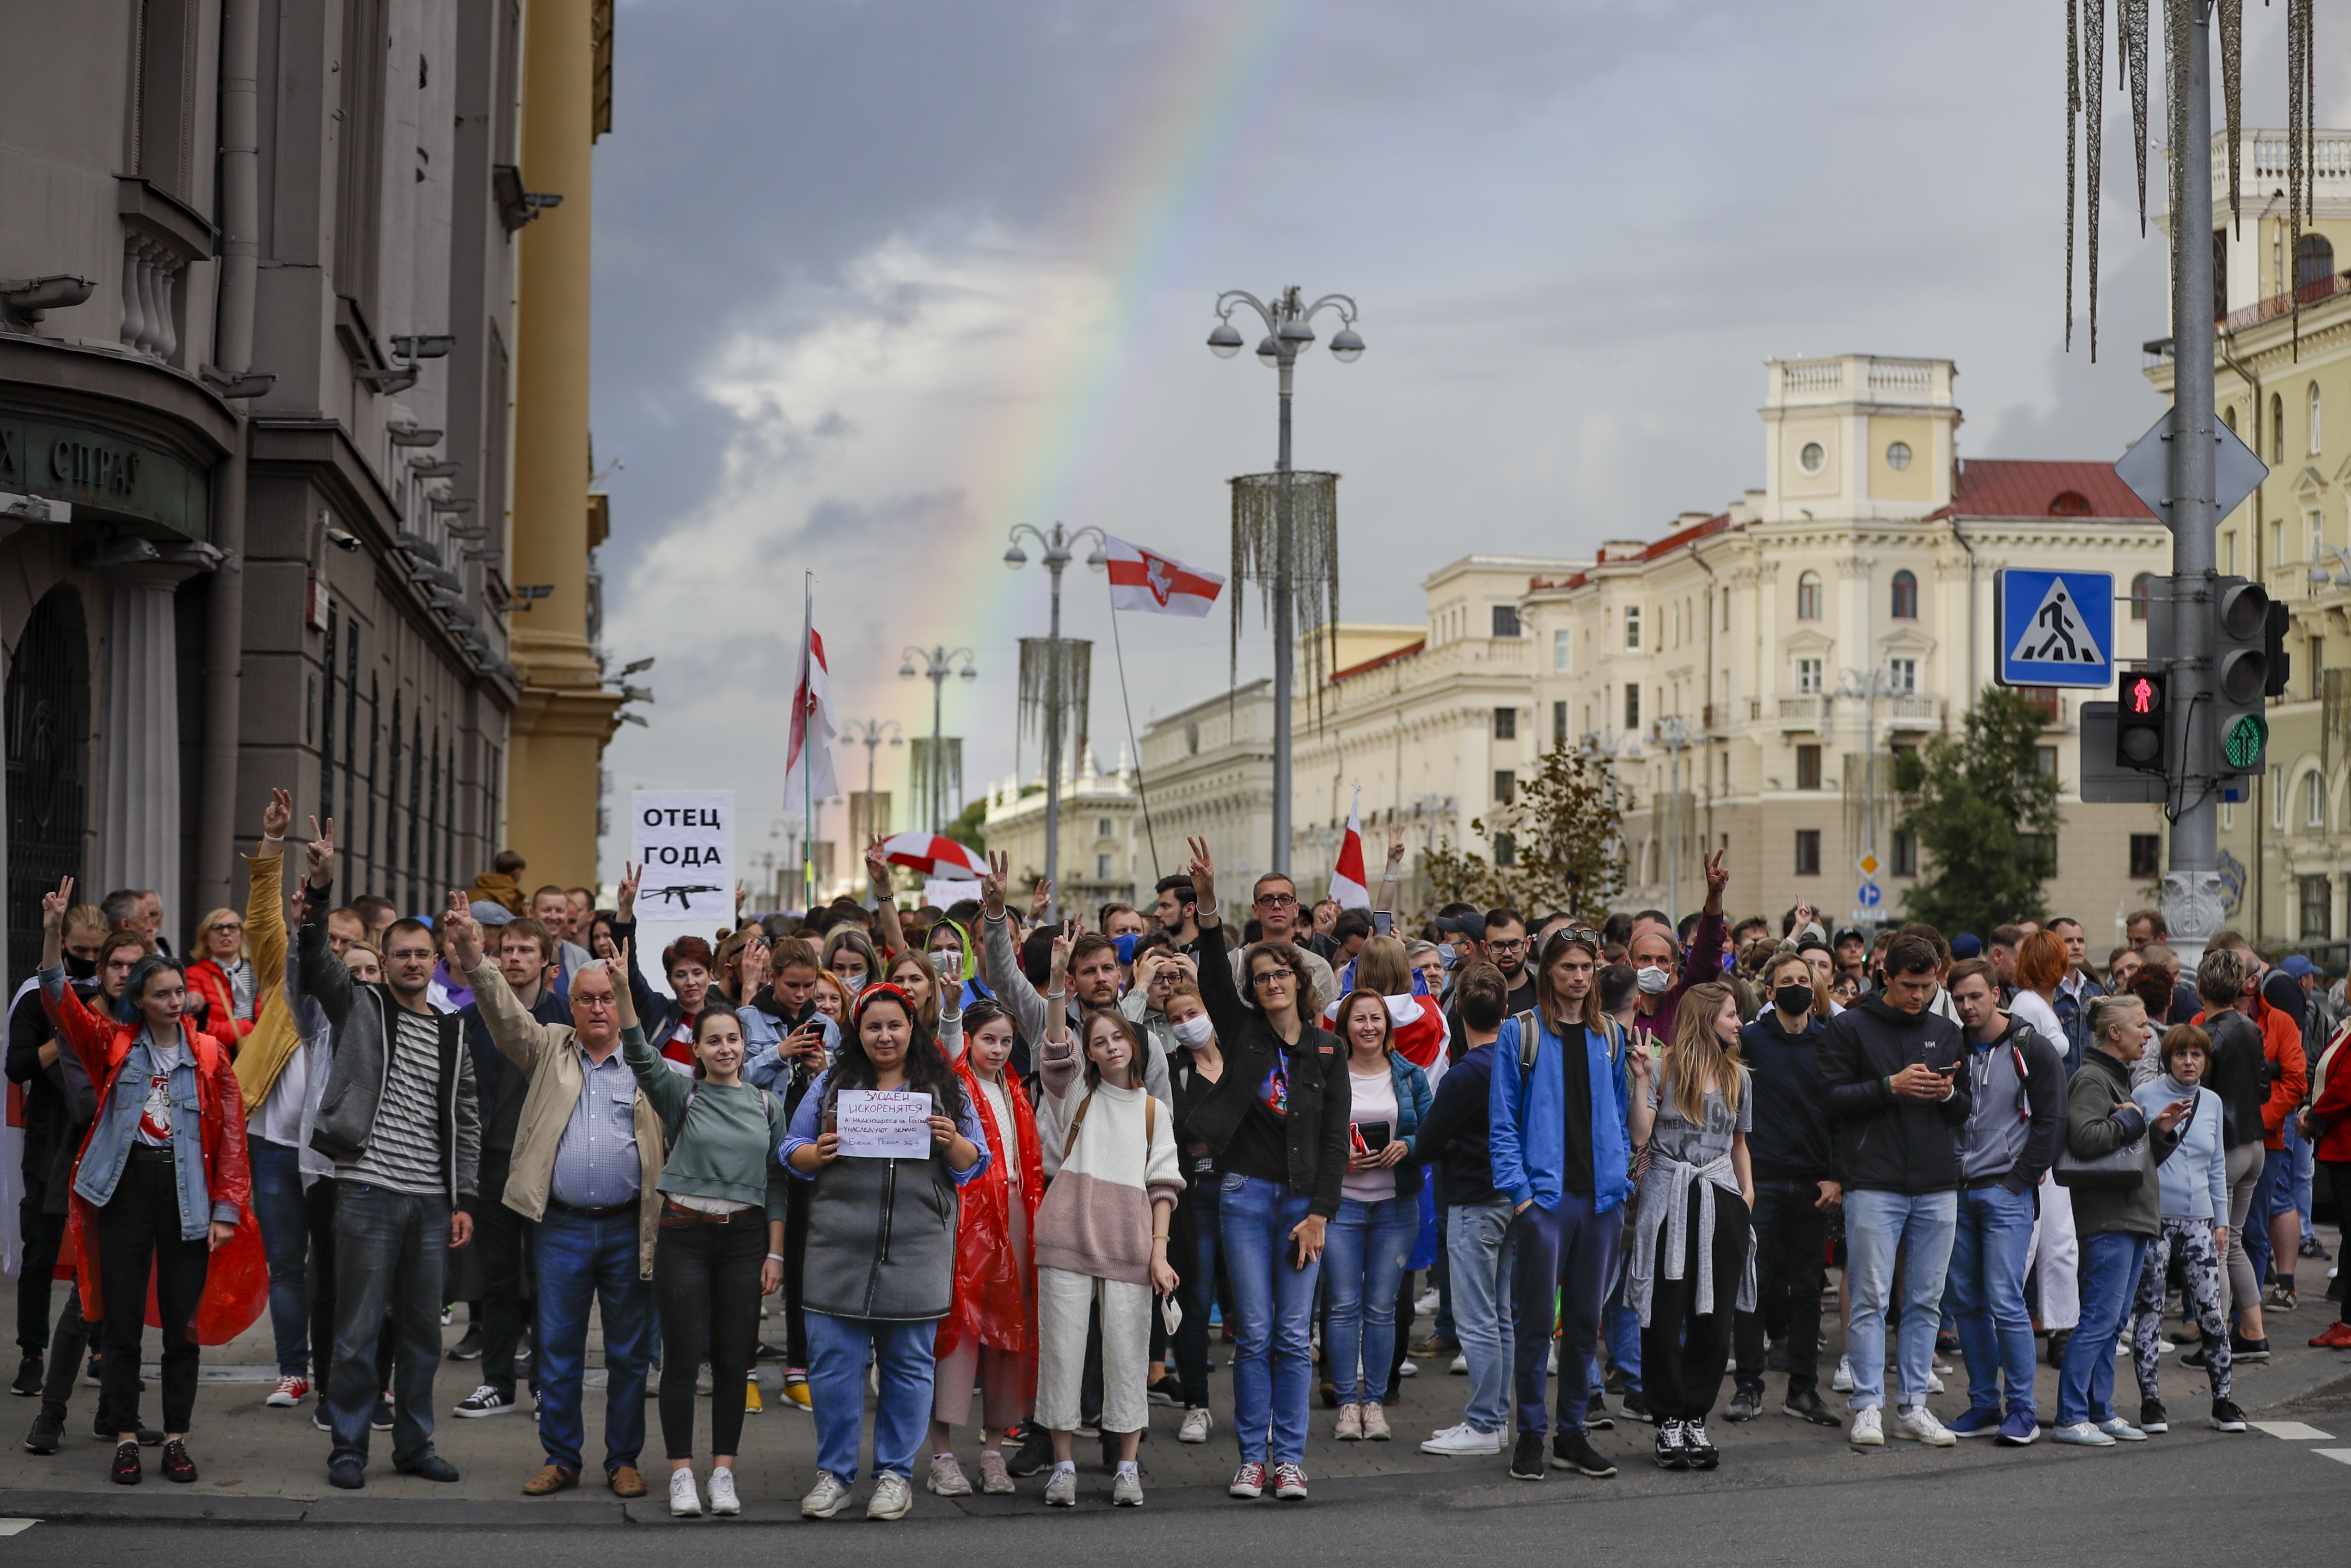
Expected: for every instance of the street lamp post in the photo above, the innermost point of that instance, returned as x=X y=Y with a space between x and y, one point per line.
x=937 y=665
x=1057 y=548
x=1288 y=327
x=1868 y=686
x=1673 y=733
x=871 y=734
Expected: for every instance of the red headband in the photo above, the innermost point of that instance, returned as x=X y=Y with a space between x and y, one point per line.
x=883 y=989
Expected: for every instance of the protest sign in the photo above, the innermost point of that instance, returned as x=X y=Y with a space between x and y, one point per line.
x=685 y=839
x=884 y=1124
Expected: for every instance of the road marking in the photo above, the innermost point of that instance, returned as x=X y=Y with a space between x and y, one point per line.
x=16 y=1526
x=2292 y=1431
x=2340 y=1456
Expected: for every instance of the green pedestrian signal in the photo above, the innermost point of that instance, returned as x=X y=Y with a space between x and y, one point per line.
x=2248 y=735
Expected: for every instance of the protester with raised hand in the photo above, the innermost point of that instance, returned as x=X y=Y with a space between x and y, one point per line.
x=162 y=1181
x=721 y=1246
x=879 y=1304
x=1277 y=1120
x=1093 y=975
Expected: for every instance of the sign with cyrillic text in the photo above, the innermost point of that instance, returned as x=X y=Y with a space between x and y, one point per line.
x=685 y=840
x=884 y=1124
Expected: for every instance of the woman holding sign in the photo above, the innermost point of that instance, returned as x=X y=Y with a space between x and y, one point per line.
x=1102 y=1231
x=887 y=1136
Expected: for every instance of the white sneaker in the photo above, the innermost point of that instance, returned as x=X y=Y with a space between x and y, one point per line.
x=828 y=1497
x=892 y=1498
x=702 y=1380
x=1842 y=1381
x=1408 y=1369
x=1868 y=1429
x=1197 y=1424
x=1933 y=1384
x=723 y=1500
x=684 y=1502
x=947 y=1479
x=1464 y=1440
x=1426 y=1304
x=2122 y=1431
x=1062 y=1487
x=1460 y=1367
x=1919 y=1424
x=1127 y=1489
x=2081 y=1434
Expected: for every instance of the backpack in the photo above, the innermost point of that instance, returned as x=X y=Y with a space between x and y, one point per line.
x=1612 y=1037
x=1150 y=1124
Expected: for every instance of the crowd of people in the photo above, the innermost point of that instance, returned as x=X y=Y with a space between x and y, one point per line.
x=999 y=1171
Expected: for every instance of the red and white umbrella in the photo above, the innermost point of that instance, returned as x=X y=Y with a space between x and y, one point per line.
x=934 y=854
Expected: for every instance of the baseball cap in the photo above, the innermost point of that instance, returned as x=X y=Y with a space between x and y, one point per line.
x=1966 y=945
x=2298 y=966
x=489 y=913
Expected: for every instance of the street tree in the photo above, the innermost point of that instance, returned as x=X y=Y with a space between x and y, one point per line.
x=1558 y=842
x=1985 y=818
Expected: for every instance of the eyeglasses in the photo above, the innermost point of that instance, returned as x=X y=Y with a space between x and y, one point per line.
x=579 y=1001
x=1274 y=976
x=1519 y=946
x=1277 y=900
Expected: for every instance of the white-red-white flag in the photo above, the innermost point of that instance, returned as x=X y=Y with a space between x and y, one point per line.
x=811 y=732
x=1145 y=580
x=934 y=856
x=1347 y=888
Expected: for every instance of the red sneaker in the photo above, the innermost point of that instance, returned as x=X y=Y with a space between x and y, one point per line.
x=1248 y=1481
x=2336 y=1337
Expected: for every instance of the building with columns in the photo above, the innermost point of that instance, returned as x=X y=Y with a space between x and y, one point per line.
x=1103 y=858
x=1208 y=774
x=275 y=451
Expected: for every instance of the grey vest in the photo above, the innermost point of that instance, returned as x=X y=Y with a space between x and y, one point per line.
x=881 y=1239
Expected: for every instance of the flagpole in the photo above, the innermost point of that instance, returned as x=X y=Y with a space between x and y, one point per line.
x=1133 y=745
x=807 y=737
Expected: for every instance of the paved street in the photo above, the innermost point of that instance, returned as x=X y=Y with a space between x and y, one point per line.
x=1780 y=1482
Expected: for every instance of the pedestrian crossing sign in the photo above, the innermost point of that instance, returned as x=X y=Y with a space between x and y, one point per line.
x=2056 y=629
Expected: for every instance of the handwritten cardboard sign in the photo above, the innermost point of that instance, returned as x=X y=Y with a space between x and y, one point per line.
x=884 y=1124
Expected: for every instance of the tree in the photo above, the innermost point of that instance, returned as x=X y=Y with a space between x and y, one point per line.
x=1985 y=817
x=1558 y=844
x=970 y=829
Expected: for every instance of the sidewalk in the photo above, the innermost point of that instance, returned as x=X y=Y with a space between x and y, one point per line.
x=261 y=1464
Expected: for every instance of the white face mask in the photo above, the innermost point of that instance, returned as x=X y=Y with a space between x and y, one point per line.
x=1653 y=981
x=1195 y=1031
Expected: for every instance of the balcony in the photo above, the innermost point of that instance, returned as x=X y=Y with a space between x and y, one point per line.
x=1807 y=711
x=1910 y=711
x=2279 y=305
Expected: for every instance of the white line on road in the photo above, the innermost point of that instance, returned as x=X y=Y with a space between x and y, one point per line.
x=2292 y=1431
x=16 y=1526
x=2340 y=1456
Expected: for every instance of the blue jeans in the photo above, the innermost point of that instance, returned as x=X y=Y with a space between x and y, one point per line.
x=391 y=1253
x=1987 y=1280
x=1273 y=1308
x=1480 y=1261
x=837 y=1348
x=1879 y=1227
x=2305 y=1171
x=277 y=1207
x=1362 y=1263
x=1564 y=1258
x=2111 y=1260
x=584 y=1262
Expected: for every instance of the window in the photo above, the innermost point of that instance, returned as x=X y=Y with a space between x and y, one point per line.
x=1906 y=675
x=1808 y=596
x=1506 y=785
x=1632 y=626
x=1813 y=458
x=2277 y=429
x=2314 y=535
x=1906 y=597
x=1506 y=723
x=1808 y=852
x=1906 y=853
x=2040 y=847
x=1560 y=643
x=1102 y=867
x=1898 y=456
x=1808 y=767
x=1506 y=850
x=1506 y=620
x=2145 y=855
x=1102 y=828
x=2313 y=263
x=2044 y=761
x=2315 y=422
x=1559 y=723
x=2313 y=801
x=1808 y=677
x=2043 y=699
x=2142 y=589
x=1631 y=706
x=2317 y=907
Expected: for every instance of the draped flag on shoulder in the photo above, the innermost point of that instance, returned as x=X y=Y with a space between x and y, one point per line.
x=1347 y=887
x=1145 y=580
x=811 y=732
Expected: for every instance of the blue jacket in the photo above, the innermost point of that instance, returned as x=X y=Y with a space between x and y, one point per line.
x=1453 y=1133
x=1526 y=1119
x=1412 y=1096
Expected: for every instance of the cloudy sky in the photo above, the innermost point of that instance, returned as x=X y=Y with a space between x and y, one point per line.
x=877 y=280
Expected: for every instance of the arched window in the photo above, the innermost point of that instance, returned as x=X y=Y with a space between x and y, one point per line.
x=2313 y=261
x=2277 y=429
x=2142 y=585
x=2314 y=800
x=1808 y=596
x=1906 y=597
x=2316 y=425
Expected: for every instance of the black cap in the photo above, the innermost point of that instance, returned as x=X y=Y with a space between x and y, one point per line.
x=1844 y=931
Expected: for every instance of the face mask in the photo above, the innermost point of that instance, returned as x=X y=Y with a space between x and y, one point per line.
x=80 y=967
x=854 y=983
x=1193 y=1033
x=1125 y=946
x=1450 y=957
x=1653 y=981
x=1793 y=1000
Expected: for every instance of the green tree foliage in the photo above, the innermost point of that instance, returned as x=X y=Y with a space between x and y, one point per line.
x=969 y=829
x=1985 y=817
x=1565 y=844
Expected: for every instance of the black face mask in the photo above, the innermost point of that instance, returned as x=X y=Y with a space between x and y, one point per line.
x=1793 y=1000
x=79 y=968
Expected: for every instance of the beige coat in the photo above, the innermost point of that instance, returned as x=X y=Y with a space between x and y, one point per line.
x=548 y=1056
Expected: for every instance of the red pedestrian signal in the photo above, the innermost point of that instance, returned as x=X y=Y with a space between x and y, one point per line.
x=2146 y=697
x=2139 y=721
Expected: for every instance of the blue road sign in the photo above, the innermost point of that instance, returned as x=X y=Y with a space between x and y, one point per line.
x=1869 y=895
x=2056 y=629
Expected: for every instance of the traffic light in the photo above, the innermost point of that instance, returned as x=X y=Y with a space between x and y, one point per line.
x=2139 y=719
x=2241 y=674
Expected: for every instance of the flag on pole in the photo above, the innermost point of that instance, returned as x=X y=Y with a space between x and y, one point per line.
x=1347 y=888
x=1142 y=579
x=813 y=730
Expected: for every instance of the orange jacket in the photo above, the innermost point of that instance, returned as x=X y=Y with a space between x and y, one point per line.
x=2289 y=1071
x=206 y=975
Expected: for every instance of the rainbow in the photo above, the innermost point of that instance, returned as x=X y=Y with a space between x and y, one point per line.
x=1150 y=212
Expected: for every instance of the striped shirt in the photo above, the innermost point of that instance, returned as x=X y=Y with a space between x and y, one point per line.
x=403 y=1150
